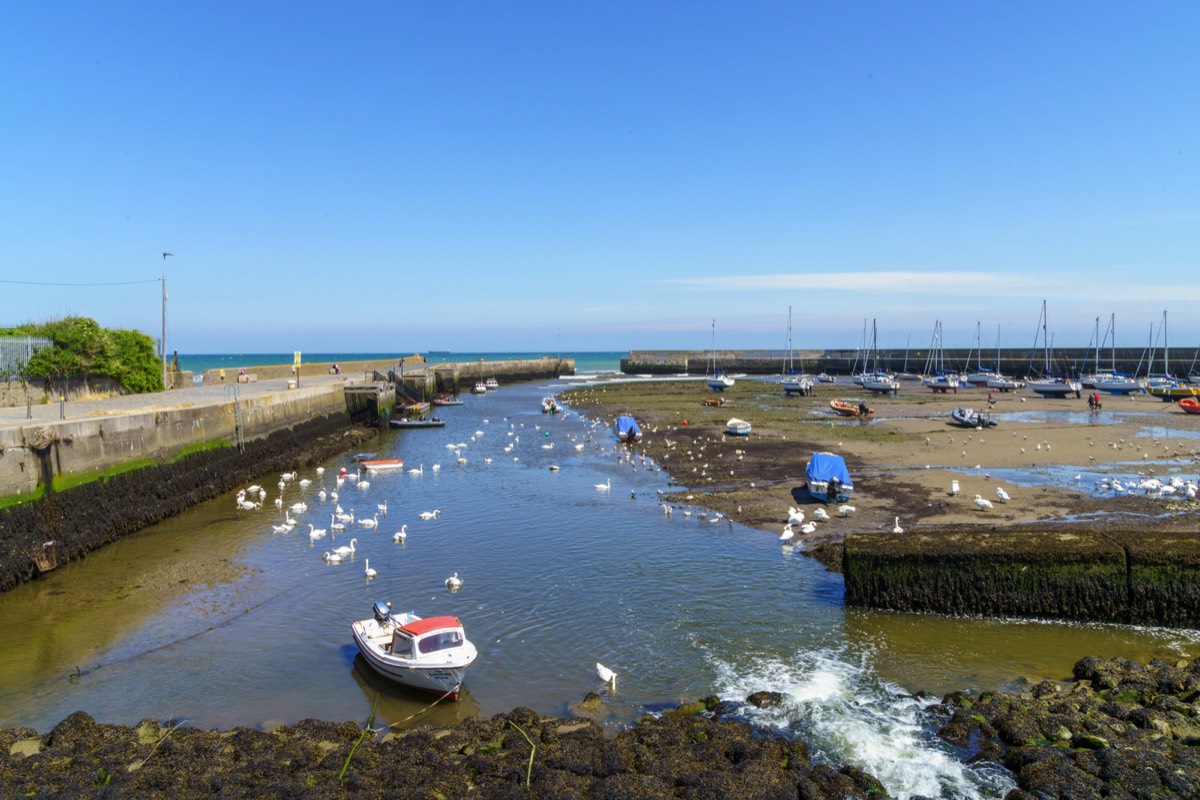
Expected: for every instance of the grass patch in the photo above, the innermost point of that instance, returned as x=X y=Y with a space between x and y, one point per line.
x=201 y=447
x=62 y=483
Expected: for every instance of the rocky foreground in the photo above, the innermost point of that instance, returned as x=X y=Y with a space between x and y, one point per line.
x=1119 y=730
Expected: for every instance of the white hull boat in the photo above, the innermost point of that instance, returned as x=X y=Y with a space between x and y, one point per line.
x=737 y=427
x=430 y=654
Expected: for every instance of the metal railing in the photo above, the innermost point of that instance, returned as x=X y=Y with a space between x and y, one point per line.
x=15 y=352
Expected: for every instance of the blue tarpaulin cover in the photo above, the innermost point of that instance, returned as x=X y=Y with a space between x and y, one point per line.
x=823 y=467
x=627 y=428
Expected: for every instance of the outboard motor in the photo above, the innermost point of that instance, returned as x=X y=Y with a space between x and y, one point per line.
x=383 y=612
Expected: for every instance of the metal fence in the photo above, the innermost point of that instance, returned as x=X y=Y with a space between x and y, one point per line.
x=15 y=352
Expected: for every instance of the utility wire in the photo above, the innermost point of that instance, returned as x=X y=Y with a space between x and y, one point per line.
x=117 y=283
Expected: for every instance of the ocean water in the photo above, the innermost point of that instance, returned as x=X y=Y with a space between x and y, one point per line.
x=585 y=362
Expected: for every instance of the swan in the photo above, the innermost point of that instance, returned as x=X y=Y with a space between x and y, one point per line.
x=821 y=514
x=795 y=516
x=334 y=525
x=279 y=502
x=604 y=487
x=320 y=470
x=369 y=523
x=332 y=558
x=370 y=573
x=417 y=471
x=255 y=489
x=281 y=528
x=808 y=528
x=436 y=467
x=896 y=528
x=315 y=533
x=954 y=487
x=344 y=550
x=787 y=534
x=400 y=535
x=981 y=504
x=846 y=511
x=454 y=582
x=321 y=495
x=364 y=485
x=437 y=512
x=607 y=675
x=305 y=483
x=1002 y=495
x=343 y=517
x=382 y=507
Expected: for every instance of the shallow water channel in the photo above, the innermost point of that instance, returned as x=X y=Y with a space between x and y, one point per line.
x=557 y=576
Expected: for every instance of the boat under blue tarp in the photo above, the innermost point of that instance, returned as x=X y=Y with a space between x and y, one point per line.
x=628 y=430
x=828 y=478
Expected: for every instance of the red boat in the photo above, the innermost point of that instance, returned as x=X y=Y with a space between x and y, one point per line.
x=1190 y=404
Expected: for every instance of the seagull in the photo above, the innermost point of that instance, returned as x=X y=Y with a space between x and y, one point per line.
x=981 y=504
x=954 y=487
x=437 y=512
x=821 y=514
x=607 y=675
x=896 y=528
x=454 y=582
x=604 y=487
x=1002 y=495
x=400 y=535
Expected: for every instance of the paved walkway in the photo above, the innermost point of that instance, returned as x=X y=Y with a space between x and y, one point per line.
x=198 y=395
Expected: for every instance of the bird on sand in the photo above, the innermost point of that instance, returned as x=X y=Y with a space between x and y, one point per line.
x=607 y=675
x=795 y=515
x=808 y=528
x=954 y=487
x=896 y=528
x=787 y=534
x=1002 y=495
x=821 y=514
x=982 y=504
x=846 y=511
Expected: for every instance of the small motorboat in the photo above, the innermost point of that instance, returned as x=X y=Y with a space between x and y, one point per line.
x=628 y=430
x=479 y=388
x=828 y=478
x=446 y=400
x=970 y=418
x=491 y=384
x=713 y=401
x=417 y=422
x=737 y=427
x=431 y=654
x=550 y=406
x=850 y=408
x=382 y=464
x=1190 y=404
x=825 y=377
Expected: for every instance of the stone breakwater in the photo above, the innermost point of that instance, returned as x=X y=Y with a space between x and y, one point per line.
x=1132 y=577
x=94 y=514
x=1119 y=729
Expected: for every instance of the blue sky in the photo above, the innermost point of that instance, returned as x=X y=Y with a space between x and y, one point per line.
x=402 y=176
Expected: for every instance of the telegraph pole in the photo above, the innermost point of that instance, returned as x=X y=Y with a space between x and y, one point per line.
x=162 y=343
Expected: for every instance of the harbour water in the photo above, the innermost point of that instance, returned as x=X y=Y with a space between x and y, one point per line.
x=558 y=575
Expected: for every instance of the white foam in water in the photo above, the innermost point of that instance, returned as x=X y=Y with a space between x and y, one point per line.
x=846 y=714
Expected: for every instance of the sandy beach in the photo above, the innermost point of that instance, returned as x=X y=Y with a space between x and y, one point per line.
x=1047 y=454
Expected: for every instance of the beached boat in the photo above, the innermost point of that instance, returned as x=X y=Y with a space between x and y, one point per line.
x=825 y=377
x=737 y=427
x=446 y=400
x=628 y=430
x=382 y=464
x=970 y=418
x=789 y=380
x=828 y=478
x=550 y=406
x=850 y=408
x=1049 y=385
x=713 y=401
x=417 y=422
x=717 y=380
x=1189 y=404
x=877 y=380
x=1178 y=390
x=431 y=654
x=941 y=379
x=1000 y=383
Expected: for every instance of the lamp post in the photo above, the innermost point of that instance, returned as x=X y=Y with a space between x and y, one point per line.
x=162 y=343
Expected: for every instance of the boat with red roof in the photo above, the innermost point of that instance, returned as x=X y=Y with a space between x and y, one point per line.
x=431 y=653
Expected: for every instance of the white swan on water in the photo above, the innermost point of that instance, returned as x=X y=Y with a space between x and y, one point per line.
x=345 y=550
x=369 y=523
x=332 y=558
x=400 y=535
x=370 y=573
x=604 y=487
x=334 y=525
x=454 y=582
x=315 y=533
x=437 y=512
x=607 y=675
x=787 y=534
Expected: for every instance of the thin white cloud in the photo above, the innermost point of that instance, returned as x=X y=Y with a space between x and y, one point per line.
x=925 y=283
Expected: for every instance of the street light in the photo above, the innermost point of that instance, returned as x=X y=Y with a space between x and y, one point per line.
x=162 y=343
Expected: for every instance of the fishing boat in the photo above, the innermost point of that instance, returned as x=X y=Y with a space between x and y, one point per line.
x=628 y=430
x=446 y=400
x=1189 y=404
x=737 y=427
x=970 y=418
x=828 y=478
x=479 y=388
x=417 y=422
x=550 y=406
x=1048 y=384
x=850 y=408
x=430 y=654
x=717 y=380
x=789 y=381
x=492 y=384
x=382 y=464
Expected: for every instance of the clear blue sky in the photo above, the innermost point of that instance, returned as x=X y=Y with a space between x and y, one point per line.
x=404 y=176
